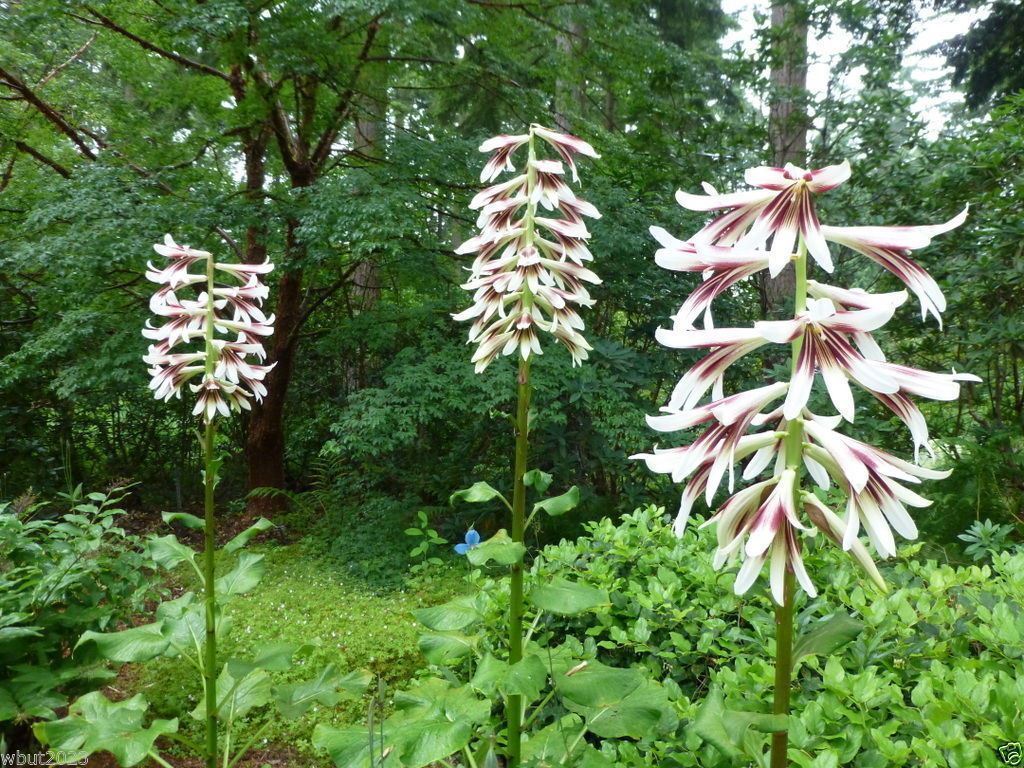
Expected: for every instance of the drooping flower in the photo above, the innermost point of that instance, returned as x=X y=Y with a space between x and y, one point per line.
x=832 y=337
x=528 y=276
x=781 y=209
x=890 y=248
x=225 y=323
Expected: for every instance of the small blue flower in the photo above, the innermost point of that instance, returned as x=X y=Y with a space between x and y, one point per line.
x=472 y=540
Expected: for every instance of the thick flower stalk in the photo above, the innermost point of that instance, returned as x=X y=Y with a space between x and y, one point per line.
x=528 y=280
x=772 y=428
x=221 y=331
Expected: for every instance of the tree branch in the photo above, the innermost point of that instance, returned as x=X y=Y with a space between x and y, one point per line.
x=51 y=163
x=291 y=154
x=61 y=67
x=329 y=291
x=8 y=172
x=175 y=57
x=344 y=105
x=16 y=84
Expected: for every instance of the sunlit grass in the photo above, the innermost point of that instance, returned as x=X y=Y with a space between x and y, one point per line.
x=323 y=591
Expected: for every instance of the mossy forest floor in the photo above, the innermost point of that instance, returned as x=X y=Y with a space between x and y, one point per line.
x=343 y=584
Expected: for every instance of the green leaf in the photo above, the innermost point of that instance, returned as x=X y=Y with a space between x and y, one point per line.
x=537 y=479
x=423 y=742
x=408 y=741
x=168 y=552
x=276 y=657
x=184 y=623
x=236 y=696
x=18 y=633
x=136 y=644
x=9 y=708
x=476 y=493
x=327 y=688
x=726 y=729
x=550 y=745
x=500 y=548
x=489 y=674
x=828 y=636
x=440 y=697
x=433 y=722
x=187 y=520
x=559 y=505
x=616 y=703
x=242 y=539
x=95 y=724
x=456 y=614
x=244 y=577
x=525 y=678
x=566 y=597
x=445 y=647
x=350 y=747
x=592 y=684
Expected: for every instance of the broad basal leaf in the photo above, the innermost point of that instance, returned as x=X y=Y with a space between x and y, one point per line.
x=476 y=493
x=136 y=644
x=242 y=539
x=95 y=724
x=828 y=636
x=559 y=505
x=456 y=614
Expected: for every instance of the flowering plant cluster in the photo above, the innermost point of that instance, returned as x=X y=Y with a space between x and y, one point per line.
x=830 y=334
x=226 y=317
x=528 y=275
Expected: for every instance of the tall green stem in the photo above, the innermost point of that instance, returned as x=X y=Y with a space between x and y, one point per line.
x=784 y=613
x=514 y=704
x=209 y=531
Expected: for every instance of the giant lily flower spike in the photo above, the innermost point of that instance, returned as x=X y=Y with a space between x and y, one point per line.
x=225 y=317
x=528 y=276
x=771 y=428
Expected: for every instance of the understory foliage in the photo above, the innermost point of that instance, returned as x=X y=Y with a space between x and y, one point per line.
x=66 y=567
x=926 y=675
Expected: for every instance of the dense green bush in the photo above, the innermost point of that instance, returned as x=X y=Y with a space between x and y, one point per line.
x=61 y=574
x=934 y=676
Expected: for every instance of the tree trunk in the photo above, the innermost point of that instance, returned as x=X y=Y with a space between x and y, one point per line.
x=368 y=135
x=264 y=445
x=570 y=93
x=787 y=120
x=266 y=437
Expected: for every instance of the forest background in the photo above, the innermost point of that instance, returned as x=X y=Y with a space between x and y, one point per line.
x=340 y=138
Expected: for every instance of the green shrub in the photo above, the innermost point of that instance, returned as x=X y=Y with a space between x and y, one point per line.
x=935 y=676
x=61 y=575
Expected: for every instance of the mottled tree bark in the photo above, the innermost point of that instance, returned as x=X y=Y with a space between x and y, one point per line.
x=787 y=120
x=570 y=93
